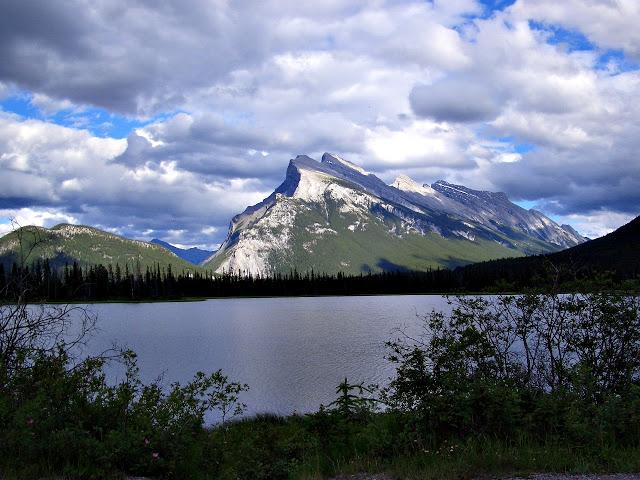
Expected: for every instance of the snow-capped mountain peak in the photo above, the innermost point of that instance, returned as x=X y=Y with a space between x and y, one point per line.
x=340 y=163
x=408 y=184
x=333 y=216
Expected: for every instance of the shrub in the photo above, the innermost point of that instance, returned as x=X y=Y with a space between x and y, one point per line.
x=560 y=365
x=57 y=417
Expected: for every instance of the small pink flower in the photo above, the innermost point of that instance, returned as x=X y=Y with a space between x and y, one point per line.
x=155 y=455
x=30 y=422
x=146 y=442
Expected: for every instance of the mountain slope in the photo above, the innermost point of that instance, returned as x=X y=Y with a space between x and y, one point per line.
x=617 y=252
x=496 y=210
x=333 y=216
x=192 y=255
x=85 y=245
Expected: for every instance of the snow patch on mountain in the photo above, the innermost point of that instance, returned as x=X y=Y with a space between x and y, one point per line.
x=318 y=229
x=464 y=234
x=357 y=226
x=452 y=187
x=335 y=160
x=408 y=184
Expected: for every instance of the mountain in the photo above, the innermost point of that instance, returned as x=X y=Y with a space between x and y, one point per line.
x=193 y=255
x=495 y=209
x=66 y=243
x=618 y=252
x=333 y=216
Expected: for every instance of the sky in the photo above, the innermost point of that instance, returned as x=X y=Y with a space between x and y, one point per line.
x=166 y=118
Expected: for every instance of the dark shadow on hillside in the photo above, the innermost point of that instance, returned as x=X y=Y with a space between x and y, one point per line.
x=8 y=259
x=57 y=262
x=62 y=259
x=449 y=262
x=388 y=266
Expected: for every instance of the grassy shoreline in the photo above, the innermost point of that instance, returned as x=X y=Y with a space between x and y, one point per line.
x=270 y=447
x=296 y=449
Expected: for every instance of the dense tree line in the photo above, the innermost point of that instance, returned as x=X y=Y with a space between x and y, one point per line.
x=97 y=282
x=41 y=281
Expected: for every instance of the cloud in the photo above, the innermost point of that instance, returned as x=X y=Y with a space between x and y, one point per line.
x=233 y=90
x=585 y=159
x=64 y=174
x=597 y=223
x=130 y=58
x=454 y=101
x=4 y=91
x=32 y=216
x=48 y=105
x=579 y=122
x=424 y=143
x=609 y=24
x=139 y=57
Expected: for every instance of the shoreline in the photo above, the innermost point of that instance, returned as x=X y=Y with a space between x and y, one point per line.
x=239 y=297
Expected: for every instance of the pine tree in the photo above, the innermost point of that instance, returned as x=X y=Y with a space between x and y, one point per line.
x=3 y=282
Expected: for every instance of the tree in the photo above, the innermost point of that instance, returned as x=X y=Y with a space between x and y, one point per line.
x=354 y=400
x=555 y=362
x=29 y=331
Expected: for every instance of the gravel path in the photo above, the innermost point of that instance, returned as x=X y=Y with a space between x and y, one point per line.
x=363 y=476
x=545 y=476
x=551 y=476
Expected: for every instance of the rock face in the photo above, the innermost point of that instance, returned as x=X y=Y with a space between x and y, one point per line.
x=496 y=211
x=333 y=216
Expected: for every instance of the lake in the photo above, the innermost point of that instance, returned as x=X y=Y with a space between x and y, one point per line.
x=291 y=351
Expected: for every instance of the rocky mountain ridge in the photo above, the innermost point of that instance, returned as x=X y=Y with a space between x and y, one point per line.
x=334 y=216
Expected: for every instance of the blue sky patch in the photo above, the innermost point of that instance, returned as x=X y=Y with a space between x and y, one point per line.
x=491 y=6
x=526 y=204
x=573 y=40
x=617 y=61
x=523 y=147
x=98 y=121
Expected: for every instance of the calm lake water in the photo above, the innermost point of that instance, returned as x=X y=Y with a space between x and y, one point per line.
x=291 y=351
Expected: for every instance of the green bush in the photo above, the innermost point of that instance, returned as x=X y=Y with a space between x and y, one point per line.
x=548 y=366
x=56 y=418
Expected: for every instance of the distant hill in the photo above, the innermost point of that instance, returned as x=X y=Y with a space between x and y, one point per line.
x=193 y=255
x=65 y=244
x=618 y=253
